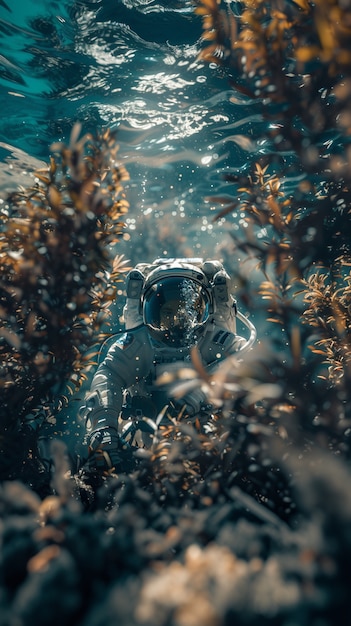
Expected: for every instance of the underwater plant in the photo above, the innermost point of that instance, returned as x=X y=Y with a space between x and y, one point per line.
x=58 y=281
x=294 y=60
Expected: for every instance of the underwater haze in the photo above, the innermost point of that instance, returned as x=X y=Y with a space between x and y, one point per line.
x=130 y=65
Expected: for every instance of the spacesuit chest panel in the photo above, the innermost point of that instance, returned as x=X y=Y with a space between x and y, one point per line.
x=166 y=364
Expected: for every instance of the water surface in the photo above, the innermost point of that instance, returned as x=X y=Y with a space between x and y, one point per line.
x=132 y=66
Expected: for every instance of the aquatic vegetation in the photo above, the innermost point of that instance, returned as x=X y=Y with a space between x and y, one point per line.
x=294 y=59
x=328 y=311
x=58 y=277
x=241 y=515
x=281 y=58
x=150 y=563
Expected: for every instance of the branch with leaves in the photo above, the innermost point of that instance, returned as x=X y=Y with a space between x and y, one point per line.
x=58 y=276
x=294 y=58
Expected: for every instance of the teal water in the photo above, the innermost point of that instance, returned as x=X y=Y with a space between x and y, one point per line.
x=132 y=66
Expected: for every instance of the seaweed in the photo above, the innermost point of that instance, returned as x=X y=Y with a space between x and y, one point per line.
x=295 y=60
x=58 y=281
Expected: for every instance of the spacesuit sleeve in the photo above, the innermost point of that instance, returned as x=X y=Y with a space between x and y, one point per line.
x=128 y=360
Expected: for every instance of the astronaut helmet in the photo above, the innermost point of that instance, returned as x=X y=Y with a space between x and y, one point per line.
x=176 y=304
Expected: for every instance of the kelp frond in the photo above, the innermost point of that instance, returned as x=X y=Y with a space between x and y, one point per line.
x=57 y=274
x=295 y=58
x=328 y=313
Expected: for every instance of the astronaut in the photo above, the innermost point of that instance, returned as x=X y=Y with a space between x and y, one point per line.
x=171 y=306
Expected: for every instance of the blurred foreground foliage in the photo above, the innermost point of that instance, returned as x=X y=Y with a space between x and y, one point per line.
x=242 y=517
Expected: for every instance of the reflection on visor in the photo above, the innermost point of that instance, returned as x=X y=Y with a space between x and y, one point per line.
x=175 y=308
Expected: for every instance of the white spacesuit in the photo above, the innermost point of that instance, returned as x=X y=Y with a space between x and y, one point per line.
x=172 y=305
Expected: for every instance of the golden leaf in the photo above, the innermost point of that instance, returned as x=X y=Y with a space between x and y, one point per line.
x=296 y=344
x=43 y=179
x=233 y=28
x=75 y=132
x=276 y=214
x=40 y=562
x=228 y=209
x=201 y=11
x=54 y=197
x=307 y=53
x=209 y=35
x=198 y=364
x=303 y=4
x=210 y=4
x=11 y=338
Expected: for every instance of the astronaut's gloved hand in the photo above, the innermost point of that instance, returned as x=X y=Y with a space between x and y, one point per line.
x=103 y=449
x=192 y=403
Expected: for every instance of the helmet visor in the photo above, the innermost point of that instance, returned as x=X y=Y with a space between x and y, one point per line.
x=174 y=308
